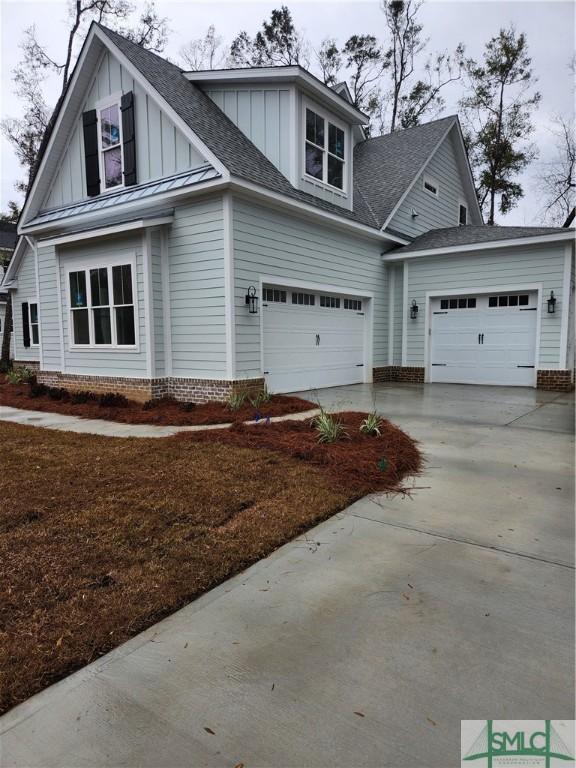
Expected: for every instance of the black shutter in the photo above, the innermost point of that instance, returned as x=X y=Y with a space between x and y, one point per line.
x=25 y=324
x=90 y=122
x=128 y=139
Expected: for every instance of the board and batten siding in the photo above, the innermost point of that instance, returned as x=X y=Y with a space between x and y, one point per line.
x=271 y=243
x=434 y=212
x=107 y=361
x=472 y=273
x=161 y=148
x=26 y=291
x=264 y=115
x=197 y=303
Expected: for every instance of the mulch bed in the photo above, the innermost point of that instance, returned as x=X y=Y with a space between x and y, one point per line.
x=165 y=412
x=102 y=537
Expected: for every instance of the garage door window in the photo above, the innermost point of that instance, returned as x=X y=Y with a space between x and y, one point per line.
x=354 y=304
x=330 y=302
x=273 y=294
x=458 y=303
x=509 y=301
x=306 y=299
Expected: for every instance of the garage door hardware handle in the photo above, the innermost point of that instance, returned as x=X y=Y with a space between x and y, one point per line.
x=441 y=365
x=317 y=339
x=359 y=365
x=524 y=366
x=440 y=313
x=528 y=309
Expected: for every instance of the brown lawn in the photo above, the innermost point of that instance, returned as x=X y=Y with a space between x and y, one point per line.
x=102 y=537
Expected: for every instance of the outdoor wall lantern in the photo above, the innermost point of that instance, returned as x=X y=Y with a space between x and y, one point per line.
x=414 y=310
x=252 y=300
x=551 y=303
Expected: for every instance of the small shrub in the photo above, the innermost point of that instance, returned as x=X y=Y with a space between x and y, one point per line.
x=329 y=429
x=58 y=393
x=81 y=397
x=38 y=390
x=20 y=375
x=236 y=400
x=112 y=400
x=187 y=407
x=261 y=397
x=371 y=424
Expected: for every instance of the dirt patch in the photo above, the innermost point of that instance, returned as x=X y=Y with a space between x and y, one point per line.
x=102 y=537
x=166 y=412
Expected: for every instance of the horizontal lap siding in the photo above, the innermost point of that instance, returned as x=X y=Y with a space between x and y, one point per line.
x=26 y=291
x=521 y=266
x=49 y=308
x=267 y=242
x=197 y=305
x=433 y=213
x=105 y=361
x=398 y=314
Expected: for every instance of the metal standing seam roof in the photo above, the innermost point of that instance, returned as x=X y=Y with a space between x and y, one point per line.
x=474 y=235
x=141 y=192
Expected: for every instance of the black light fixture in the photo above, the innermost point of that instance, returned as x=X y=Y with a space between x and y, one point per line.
x=551 y=303
x=252 y=300
x=414 y=310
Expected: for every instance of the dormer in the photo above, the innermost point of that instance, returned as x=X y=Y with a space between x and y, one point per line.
x=306 y=129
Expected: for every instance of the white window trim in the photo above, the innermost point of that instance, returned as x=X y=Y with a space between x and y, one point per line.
x=100 y=264
x=463 y=204
x=109 y=101
x=328 y=118
x=32 y=343
x=430 y=180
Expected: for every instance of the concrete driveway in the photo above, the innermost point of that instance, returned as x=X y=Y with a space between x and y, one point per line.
x=365 y=642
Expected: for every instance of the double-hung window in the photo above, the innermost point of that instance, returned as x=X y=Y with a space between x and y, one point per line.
x=110 y=138
x=324 y=150
x=33 y=324
x=102 y=311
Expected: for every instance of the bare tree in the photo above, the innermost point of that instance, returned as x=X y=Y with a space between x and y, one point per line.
x=365 y=63
x=204 y=52
x=556 y=181
x=425 y=97
x=329 y=60
x=25 y=134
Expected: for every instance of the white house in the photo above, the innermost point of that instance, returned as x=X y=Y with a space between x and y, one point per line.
x=187 y=232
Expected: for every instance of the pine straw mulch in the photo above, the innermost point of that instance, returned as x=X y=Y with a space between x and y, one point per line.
x=166 y=411
x=102 y=537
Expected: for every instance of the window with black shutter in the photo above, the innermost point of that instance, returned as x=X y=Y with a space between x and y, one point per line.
x=25 y=325
x=128 y=139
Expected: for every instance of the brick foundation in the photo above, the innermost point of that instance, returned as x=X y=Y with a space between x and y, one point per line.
x=33 y=365
x=557 y=381
x=405 y=374
x=189 y=390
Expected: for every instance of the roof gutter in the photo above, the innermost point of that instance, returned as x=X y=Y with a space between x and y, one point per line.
x=458 y=250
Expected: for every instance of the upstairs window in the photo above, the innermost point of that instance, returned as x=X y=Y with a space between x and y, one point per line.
x=102 y=311
x=324 y=150
x=462 y=215
x=111 y=160
x=430 y=186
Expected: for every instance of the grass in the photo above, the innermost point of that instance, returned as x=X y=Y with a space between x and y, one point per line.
x=102 y=537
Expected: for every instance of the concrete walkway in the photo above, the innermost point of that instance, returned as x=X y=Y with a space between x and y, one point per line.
x=107 y=428
x=366 y=641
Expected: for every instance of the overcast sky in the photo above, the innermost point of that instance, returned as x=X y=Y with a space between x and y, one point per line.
x=548 y=24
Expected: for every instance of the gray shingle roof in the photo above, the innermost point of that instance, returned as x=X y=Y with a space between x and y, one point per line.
x=385 y=166
x=470 y=235
x=237 y=153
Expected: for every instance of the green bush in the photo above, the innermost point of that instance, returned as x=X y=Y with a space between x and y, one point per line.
x=81 y=397
x=261 y=397
x=38 y=390
x=112 y=400
x=236 y=400
x=371 y=424
x=20 y=375
x=329 y=429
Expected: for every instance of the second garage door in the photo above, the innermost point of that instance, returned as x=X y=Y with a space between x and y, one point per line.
x=484 y=339
x=312 y=339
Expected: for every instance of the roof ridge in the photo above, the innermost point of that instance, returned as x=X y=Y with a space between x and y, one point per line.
x=403 y=131
x=109 y=30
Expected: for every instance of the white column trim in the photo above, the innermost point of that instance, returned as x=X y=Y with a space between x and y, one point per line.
x=405 y=315
x=565 y=307
x=391 y=294
x=34 y=247
x=148 y=302
x=61 y=310
x=229 y=297
x=166 y=303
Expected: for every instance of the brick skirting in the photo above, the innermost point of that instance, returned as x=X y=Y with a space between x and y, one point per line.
x=33 y=365
x=557 y=381
x=188 y=390
x=406 y=374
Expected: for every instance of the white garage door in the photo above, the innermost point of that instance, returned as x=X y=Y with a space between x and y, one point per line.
x=311 y=340
x=488 y=339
